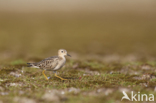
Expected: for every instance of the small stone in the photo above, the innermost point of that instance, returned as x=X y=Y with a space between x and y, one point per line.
x=1 y=88
x=4 y=93
x=15 y=84
x=146 y=67
x=75 y=90
x=105 y=91
x=155 y=89
x=15 y=74
x=62 y=92
x=23 y=100
x=124 y=89
x=108 y=91
x=146 y=76
x=50 y=96
x=75 y=65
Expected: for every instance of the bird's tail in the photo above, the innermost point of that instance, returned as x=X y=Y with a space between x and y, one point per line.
x=33 y=65
x=30 y=64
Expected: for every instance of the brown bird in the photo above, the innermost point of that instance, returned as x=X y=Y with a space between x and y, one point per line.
x=53 y=63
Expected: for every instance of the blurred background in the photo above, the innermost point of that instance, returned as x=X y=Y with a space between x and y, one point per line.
x=37 y=28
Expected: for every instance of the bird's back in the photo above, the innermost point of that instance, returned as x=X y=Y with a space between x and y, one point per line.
x=48 y=63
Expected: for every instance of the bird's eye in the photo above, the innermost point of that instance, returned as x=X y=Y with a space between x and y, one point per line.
x=62 y=51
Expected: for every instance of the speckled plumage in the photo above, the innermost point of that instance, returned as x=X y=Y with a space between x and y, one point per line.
x=53 y=63
x=48 y=64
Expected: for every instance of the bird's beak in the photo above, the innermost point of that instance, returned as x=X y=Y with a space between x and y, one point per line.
x=68 y=55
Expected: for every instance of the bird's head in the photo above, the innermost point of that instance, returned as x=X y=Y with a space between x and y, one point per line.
x=62 y=53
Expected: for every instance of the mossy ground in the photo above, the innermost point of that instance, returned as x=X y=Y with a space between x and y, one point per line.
x=89 y=81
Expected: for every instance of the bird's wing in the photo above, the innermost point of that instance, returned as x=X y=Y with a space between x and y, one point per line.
x=48 y=63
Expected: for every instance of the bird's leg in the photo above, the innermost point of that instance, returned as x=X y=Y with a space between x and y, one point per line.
x=59 y=77
x=44 y=74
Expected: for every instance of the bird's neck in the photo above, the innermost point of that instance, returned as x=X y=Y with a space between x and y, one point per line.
x=62 y=57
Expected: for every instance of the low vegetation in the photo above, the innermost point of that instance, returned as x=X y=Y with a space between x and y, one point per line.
x=88 y=81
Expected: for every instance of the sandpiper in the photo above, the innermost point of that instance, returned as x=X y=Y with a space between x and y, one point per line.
x=53 y=63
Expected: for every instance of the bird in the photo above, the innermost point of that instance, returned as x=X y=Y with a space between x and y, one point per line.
x=53 y=63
